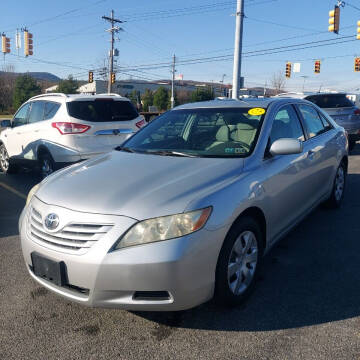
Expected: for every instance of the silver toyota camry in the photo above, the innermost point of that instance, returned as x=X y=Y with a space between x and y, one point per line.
x=185 y=209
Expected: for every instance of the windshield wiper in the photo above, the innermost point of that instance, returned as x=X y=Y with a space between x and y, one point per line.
x=170 y=153
x=124 y=148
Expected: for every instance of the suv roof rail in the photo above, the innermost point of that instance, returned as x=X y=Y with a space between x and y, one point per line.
x=49 y=94
x=110 y=94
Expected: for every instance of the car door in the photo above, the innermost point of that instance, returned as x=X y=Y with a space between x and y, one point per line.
x=320 y=150
x=286 y=183
x=31 y=132
x=13 y=135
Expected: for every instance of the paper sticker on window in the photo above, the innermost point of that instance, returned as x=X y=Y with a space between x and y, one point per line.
x=256 y=111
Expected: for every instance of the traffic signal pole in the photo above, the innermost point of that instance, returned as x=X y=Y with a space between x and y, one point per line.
x=238 y=49
x=113 y=30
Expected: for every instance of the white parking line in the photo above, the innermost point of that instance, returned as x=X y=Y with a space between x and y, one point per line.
x=14 y=191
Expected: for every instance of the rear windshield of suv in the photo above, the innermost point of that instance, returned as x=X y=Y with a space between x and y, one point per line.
x=330 y=101
x=102 y=110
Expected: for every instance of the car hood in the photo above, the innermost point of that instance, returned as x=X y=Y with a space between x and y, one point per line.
x=139 y=186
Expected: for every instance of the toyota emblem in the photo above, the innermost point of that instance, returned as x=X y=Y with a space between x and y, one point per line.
x=52 y=221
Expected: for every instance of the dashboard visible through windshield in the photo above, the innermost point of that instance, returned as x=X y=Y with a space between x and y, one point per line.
x=208 y=132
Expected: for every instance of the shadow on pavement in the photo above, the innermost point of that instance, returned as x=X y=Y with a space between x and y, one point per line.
x=312 y=277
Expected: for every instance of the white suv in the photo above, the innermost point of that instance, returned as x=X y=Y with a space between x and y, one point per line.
x=53 y=130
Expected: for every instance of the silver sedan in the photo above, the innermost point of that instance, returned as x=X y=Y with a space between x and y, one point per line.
x=184 y=210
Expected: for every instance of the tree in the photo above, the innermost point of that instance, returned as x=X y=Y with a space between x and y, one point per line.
x=202 y=94
x=68 y=86
x=183 y=97
x=25 y=88
x=161 y=98
x=134 y=98
x=7 y=86
x=147 y=99
x=278 y=82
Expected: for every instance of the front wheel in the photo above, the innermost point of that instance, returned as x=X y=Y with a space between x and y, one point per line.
x=238 y=262
x=5 y=165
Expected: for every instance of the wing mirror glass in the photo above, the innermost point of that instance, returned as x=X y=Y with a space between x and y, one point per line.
x=286 y=146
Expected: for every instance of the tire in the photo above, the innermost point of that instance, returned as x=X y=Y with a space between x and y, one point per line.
x=46 y=165
x=352 y=144
x=338 y=190
x=5 y=165
x=237 y=268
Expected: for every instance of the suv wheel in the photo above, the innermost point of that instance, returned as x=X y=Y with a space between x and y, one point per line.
x=238 y=262
x=5 y=165
x=46 y=164
x=352 y=144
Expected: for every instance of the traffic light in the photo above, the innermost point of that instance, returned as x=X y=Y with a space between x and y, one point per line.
x=358 y=30
x=317 y=67
x=5 y=44
x=113 y=78
x=28 y=43
x=334 y=20
x=288 y=70
x=357 y=64
x=91 y=76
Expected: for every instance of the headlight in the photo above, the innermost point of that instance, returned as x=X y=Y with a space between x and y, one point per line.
x=164 y=228
x=31 y=194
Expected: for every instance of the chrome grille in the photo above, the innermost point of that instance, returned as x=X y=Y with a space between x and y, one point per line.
x=73 y=237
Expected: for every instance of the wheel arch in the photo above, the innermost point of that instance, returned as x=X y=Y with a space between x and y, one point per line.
x=258 y=215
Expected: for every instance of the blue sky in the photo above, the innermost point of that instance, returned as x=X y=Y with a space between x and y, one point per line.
x=71 y=36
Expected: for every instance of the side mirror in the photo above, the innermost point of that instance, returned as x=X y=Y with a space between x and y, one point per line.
x=286 y=146
x=5 y=123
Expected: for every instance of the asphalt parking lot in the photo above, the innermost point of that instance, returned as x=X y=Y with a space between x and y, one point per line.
x=306 y=304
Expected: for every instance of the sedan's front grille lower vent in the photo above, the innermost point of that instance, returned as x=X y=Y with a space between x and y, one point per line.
x=72 y=238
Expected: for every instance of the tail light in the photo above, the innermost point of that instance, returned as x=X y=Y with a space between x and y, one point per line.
x=140 y=123
x=357 y=112
x=70 y=128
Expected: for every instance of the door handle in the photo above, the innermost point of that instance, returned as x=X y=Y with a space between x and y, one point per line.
x=311 y=154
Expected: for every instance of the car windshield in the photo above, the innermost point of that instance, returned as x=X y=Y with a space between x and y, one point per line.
x=330 y=101
x=214 y=132
x=102 y=110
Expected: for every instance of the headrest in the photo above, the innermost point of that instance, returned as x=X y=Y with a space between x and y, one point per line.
x=223 y=134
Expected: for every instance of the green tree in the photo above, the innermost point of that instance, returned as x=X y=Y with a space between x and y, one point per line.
x=134 y=98
x=161 y=98
x=202 y=94
x=25 y=88
x=68 y=86
x=147 y=99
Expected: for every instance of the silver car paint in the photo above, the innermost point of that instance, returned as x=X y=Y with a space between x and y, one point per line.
x=285 y=188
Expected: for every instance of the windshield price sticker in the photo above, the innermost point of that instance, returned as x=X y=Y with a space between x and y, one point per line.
x=256 y=111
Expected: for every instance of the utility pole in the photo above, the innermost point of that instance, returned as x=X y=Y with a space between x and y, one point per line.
x=238 y=48
x=114 y=29
x=172 y=82
x=265 y=88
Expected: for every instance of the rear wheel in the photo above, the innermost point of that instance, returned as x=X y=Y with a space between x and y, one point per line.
x=238 y=262
x=5 y=165
x=46 y=164
x=352 y=144
x=337 y=193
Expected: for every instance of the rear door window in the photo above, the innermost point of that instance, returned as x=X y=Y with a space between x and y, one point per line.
x=102 y=110
x=312 y=120
x=330 y=101
x=51 y=109
x=36 y=112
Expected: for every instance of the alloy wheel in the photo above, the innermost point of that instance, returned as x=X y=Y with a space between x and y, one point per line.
x=4 y=159
x=339 y=183
x=242 y=262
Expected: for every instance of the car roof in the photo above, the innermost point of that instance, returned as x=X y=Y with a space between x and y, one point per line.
x=302 y=95
x=234 y=103
x=77 y=97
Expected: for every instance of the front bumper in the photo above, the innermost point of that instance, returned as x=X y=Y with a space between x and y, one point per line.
x=182 y=267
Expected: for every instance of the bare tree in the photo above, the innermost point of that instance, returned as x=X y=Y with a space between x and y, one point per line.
x=7 y=86
x=278 y=82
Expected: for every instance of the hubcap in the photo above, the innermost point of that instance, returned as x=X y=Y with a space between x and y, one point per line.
x=339 y=183
x=242 y=262
x=4 y=159
x=46 y=168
